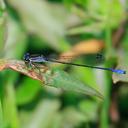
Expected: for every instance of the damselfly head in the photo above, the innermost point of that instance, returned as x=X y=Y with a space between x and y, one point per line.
x=26 y=57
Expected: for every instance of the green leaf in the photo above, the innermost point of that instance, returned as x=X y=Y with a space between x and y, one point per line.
x=9 y=107
x=1 y=115
x=89 y=108
x=72 y=117
x=54 y=78
x=27 y=91
x=111 y=11
x=44 y=114
x=16 y=40
x=38 y=18
x=3 y=26
x=63 y=80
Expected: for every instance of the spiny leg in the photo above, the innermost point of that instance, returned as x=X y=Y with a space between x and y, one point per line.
x=38 y=66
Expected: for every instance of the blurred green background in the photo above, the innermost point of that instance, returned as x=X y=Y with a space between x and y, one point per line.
x=54 y=27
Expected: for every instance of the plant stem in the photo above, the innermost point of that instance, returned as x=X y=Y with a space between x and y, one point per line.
x=107 y=86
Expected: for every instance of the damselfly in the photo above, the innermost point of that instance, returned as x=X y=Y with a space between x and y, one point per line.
x=30 y=59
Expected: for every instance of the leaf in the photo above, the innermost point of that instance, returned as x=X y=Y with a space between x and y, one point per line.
x=94 y=28
x=20 y=67
x=54 y=78
x=89 y=109
x=16 y=40
x=44 y=114
x=122 y=64
x=107 y=10
x=38 y=18
x=3 y=26
x=61 y=79
x=28 y=85
x=72 y=117
x=117 y=77
x=1 y=115
x=84 y=47
x=96 y=14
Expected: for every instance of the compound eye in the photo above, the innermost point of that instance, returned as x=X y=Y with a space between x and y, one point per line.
x=26 y=57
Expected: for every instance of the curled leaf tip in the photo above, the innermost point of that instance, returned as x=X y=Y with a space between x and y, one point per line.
x=21 y=67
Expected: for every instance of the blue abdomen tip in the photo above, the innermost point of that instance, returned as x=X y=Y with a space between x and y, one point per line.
x=119 y=71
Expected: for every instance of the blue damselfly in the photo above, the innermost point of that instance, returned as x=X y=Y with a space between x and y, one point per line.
x=30 y=59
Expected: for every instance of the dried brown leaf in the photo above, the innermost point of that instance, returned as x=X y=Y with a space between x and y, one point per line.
x=21 y=67
x=84 y=47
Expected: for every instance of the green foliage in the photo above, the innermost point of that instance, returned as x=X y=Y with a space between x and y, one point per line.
x=54 y=26
x=2 y=25
x=62 y=80
x=1 y=116
x=27 y=91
